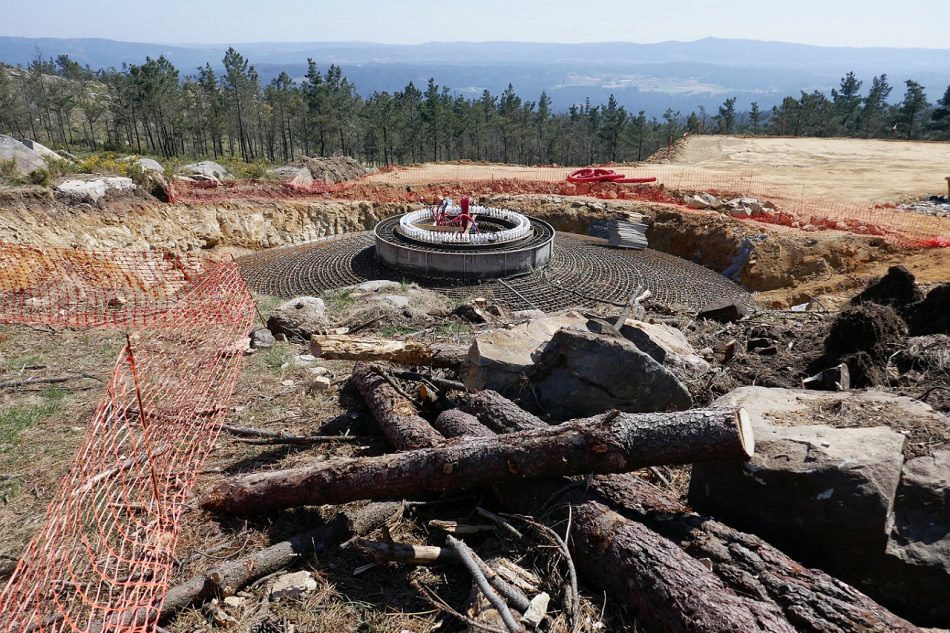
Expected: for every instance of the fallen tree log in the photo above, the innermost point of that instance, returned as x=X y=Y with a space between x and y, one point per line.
x=810 y=599
x=663 y=585
x=396 y=416
x=410 y=353
x=228 y=577
x=612 y=443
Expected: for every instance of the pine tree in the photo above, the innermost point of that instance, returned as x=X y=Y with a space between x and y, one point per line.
x=874 y=112
x=847 y=104
x=727 y=116
x=755 y=117
x=913 y=110
x=940 y=118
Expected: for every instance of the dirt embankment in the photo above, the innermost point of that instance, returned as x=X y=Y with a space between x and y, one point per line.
x=784 y=265
x=134 y=223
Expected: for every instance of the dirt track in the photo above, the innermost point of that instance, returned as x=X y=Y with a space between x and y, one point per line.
x=839 y=170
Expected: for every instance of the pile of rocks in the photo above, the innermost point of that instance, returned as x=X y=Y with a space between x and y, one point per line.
x=938 y=206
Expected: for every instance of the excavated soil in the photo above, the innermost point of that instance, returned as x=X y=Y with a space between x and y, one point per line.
x=783 y=265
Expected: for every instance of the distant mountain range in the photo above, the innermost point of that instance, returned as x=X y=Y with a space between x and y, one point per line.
x=651 y=77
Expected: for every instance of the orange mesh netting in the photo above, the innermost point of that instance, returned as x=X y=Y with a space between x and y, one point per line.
x=102 y=559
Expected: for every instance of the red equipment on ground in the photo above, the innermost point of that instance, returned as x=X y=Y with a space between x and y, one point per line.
x=600 y=174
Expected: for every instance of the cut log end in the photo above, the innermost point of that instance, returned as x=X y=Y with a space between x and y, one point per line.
x=746 y=438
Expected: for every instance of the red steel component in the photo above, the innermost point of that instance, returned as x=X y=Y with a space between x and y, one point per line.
x=600 y=174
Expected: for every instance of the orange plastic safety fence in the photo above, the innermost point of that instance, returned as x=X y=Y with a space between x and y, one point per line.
x=409 y=184
x=102 y=559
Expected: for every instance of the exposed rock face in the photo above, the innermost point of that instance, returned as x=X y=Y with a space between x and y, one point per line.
x=500 y=359
x=149 y=165
x=42 y=150
x=581 y=373
x=25 y=160
x=300 y=318
x=92 y=191
x=206 y=169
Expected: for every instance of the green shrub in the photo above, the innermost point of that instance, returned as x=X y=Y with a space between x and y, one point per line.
x=39 y=177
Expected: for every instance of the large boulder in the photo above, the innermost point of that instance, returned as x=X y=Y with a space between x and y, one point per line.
x=42 y=150
x=205 y=169
x=918 y=550
x=823 y=494
x=91 y=191
x=25 y=160
x=501 y=359
x=149 y=165
x=665 y=344
x=300 y=318
x=581 y=373
x=842 y=499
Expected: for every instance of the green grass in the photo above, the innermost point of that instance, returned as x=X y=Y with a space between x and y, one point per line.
x=339 y=301
x=16 y=419
x=17 y=363
x=452 y=329
x=274 y=357
x=397 y=330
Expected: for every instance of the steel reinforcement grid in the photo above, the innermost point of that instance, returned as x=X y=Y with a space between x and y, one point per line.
x=102 y=558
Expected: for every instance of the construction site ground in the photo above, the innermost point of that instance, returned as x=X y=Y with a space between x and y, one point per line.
x=41 y=426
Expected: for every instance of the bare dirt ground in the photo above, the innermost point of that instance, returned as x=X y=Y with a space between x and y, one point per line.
x=839 y=170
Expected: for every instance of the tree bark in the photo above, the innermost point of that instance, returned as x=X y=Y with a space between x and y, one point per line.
x=396 y=416
x=335 y=347
x=811 y=599
x=228 y=577
x=456 y=423
x=660 y=582
x=606 y=444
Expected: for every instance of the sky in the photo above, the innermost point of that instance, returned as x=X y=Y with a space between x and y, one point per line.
x=901 y=23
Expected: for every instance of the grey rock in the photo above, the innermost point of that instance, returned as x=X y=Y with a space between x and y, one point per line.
x=92 y=191
x=915 y=574
x=723 y=311
x=375 y=285
x=299 y=176
x=837 y=378
x=262 y=337
x=921 y=533
x=581 y=373
x=42 y=150
x=822 y=494
x=499 y=359
x=25 y=160
x=665 y=344
x=300 y=318
x=290 y=586
x=206 y=169
x=149 y=165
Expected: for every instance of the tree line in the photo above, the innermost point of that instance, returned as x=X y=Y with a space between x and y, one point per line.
x=151 y=109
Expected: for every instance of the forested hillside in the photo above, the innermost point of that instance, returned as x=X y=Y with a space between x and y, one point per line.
x=152 y=108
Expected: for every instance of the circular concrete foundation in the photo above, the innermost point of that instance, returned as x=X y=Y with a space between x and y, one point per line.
x=451 y=259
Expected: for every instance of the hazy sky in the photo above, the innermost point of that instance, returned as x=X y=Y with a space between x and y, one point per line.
x=902 y=23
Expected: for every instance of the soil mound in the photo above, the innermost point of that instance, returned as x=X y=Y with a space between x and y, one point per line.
x=334 y=168
x=897 y=288
x=932 y=315
x=871 y=328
